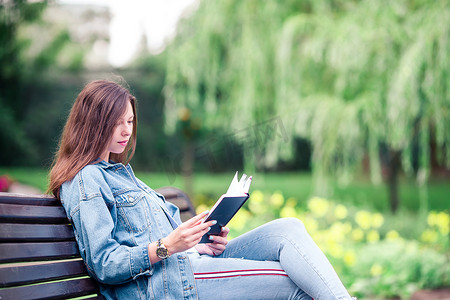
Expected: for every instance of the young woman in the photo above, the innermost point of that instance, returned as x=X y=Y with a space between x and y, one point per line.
x=133 y=241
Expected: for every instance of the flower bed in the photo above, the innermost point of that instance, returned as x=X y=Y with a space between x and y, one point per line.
x=374 y=254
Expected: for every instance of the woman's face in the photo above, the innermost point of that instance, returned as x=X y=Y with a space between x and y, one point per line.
x=122 y=133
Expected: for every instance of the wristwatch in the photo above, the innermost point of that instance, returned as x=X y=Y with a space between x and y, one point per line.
x=161 y=250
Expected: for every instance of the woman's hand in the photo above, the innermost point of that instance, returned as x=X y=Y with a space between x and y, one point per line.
x=188 y=234
x=217 y=245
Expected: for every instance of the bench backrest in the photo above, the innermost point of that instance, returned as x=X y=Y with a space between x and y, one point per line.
x=39 y=256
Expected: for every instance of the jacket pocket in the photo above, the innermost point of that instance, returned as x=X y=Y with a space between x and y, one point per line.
x=133 y=210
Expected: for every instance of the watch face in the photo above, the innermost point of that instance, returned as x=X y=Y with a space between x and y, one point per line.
x=162 y=252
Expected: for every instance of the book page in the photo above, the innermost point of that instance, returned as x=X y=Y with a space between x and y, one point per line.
x=237 y=188
x=241 y=187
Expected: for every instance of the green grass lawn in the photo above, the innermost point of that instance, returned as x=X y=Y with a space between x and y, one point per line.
x=209 y=186
x=34 y=177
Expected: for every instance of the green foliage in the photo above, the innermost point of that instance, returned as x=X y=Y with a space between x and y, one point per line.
x=389 y=269
x=30 y=47
x=18 y=76
x=49 y=54
x=356 y=78
x=13 y=14
x=387 y=80
x=372 y=255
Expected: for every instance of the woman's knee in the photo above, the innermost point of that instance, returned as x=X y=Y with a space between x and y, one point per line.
x=288 y=225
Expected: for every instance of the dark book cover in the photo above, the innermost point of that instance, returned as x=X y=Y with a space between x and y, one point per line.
x=228 y=205
x=223 y=213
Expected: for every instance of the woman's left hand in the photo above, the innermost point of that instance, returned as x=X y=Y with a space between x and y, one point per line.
x=217 y=245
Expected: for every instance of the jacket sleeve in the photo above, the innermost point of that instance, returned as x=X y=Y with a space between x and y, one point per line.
x=91 y=210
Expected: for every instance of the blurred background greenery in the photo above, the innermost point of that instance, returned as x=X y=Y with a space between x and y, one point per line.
x=324 y=102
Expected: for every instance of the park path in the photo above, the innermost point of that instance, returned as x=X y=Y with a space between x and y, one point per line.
x=20 y=188
x=441 y=294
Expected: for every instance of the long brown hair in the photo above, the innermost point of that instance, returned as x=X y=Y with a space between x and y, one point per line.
x=89 y=129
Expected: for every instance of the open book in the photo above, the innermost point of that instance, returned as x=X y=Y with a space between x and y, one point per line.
x=228 y=205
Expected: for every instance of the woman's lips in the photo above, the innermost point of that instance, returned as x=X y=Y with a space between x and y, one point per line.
x=123 y=143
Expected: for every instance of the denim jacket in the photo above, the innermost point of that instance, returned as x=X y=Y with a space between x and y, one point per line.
x=115 y=216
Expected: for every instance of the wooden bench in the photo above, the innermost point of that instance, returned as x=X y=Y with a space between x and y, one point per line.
x=39 y=256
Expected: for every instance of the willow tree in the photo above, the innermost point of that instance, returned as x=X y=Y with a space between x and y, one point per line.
x=357 y=78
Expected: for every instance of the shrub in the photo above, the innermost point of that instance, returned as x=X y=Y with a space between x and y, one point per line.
x=371 y=252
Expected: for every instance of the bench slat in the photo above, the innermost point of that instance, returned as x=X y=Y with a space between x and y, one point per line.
x=33 y=231
x=43 y=200
x=28 y=274
x=182 y=204
x=25 y=252
x=184 y=216
x=53 y=290
x=180 y=199
x=10 y=233
x=11 y=213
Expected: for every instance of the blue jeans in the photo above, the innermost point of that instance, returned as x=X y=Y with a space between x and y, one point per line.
x=278 y=260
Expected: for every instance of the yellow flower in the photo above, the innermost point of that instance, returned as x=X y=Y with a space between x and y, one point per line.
x=429 y=236
x=288 y=212
x=257 y=196
x=431 y=218
x=240 y=220
x=363 y=219
x=311 y=224
x=335 y=249
x=291 y=202
x=337 y=231
x=347 y=227
x=277 y=199
x=340 y=212
x=373 y=236
x=201 y=208
x=357 y=234
x=376 y=270
x=257 y=205
x=440 y=220
x=377 y=220
x=392 y=235
x=318 y=206
x=444 y=223
x=257 y=208
x=349 y=258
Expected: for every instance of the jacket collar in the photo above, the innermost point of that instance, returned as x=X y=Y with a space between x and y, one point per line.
x=106 y=165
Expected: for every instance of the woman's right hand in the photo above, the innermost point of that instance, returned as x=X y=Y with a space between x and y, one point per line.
x=188 y=234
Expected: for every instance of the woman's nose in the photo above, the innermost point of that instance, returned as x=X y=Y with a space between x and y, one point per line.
x=127 y=130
